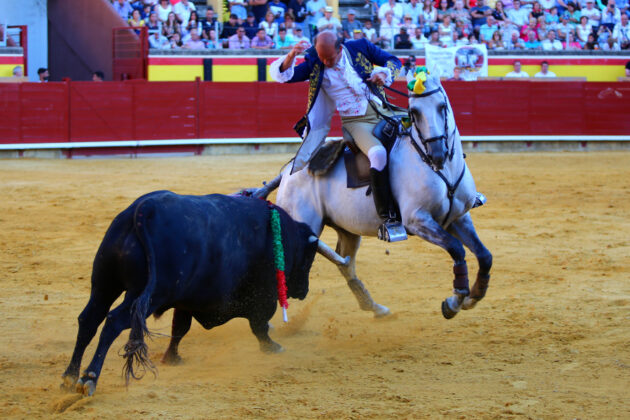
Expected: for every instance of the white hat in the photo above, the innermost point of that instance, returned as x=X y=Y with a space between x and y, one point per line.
x=352 y=12
x=328 y=9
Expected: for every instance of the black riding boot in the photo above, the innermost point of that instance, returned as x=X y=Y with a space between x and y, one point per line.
x=391 y=230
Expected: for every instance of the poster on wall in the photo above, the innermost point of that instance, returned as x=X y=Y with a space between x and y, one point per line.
x=470 y=60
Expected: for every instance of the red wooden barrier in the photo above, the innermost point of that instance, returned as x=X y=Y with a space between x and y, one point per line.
x=139 y=110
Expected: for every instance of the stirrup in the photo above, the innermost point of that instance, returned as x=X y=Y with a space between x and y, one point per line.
x=392 y=231
x=480 y=200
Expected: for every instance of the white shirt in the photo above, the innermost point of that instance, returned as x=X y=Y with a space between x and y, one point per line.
x=397 y=11
x=547 y=45
x=323 y=22
x=548 y=74
x=519 y=17
x=591 y=15
x=515 y=74
x=341 y=83
x=183 y=11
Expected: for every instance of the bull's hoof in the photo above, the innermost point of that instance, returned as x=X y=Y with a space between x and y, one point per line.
x=69 y=382
x=381 y=311
x=171 y=359
x=447 y=311
x=271 y=348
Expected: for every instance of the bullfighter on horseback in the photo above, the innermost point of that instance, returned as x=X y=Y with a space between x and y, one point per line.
x=342 y=77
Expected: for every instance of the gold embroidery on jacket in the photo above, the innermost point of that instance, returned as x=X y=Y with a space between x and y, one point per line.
x=365 y=64
x=312 y=89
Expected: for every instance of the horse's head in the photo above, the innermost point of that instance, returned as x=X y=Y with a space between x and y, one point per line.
x=428 y=110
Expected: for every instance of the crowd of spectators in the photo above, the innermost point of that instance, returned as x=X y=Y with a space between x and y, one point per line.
x=548 y=25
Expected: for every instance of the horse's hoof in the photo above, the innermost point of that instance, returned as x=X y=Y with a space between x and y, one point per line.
x=68 y=383
x=88 y=388
x=469 y=303
x=447 y=311
x=381 y=311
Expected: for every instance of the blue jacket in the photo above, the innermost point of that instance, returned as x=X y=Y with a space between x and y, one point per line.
x=314 y=126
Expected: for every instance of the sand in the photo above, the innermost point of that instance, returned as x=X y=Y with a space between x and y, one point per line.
x=550 y=340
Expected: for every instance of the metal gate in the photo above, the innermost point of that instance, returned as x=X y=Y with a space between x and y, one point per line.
x=130 y=53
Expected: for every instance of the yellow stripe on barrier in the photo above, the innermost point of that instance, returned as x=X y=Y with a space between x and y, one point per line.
x=6 y=70
x=234 y=73
x=175 y=73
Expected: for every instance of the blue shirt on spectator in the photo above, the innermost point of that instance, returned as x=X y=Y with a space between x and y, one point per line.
x=123 y=10
x=479 y=21
x=278 y=9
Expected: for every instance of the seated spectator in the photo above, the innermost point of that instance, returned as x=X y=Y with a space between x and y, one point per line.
x=517 y=72
x=230 y=27
x=487 y=30
x=358 y=34
x=518 y=16
x=413 y=9
x=408 y=24
x=532 y=25
x=238 y=8
x=250 y=25
x=328 y=22
x=401 y=40
x=193 y=22
x=593 y=13
x=289 y=23
x=240 y=41
x=583 y=29
x=418 y=40
x=123 y=8
x=163 y=9
x=460 y=13
x=429 y=17
x=547 y=5
x=182 y=10
x=195 y=42
x=369 y=32
x=209 y=22
x=537 y=11
x=551 y=43
x=574 y=14
x=514 y=43
x=391 y=6
x=480 y=13
x=297 y=9
x=212 y=40
x=315 y=10
x=158 y=41
x=171 y=26
x=564 y=26
x=18 y=71
x=591 y=42
x=462 y=28
x=135 y=21
x=571 y=43
x=176 y=41
x=621 y=32
x=499 y=13
x=442 y=11
x=544 y=71
x=98 y=76
x=153 y=23
x=278 y=9
x=269 y=25
x=457 y=75
x=262 y=41
x=283 y=41
x=532 y=43
x=434 y=39
x=609 y=45
x=389 y=29
x=350 y=24
x=611 y=15
x=445 y=29
x=496 y=43
x=472 y=39
x=298 y=35
x=552 y=18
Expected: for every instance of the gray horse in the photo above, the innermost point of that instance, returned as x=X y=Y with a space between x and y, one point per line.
x=432 y=185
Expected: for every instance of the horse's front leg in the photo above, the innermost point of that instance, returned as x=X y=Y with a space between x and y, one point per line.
x=464 y=229
x=422 y=224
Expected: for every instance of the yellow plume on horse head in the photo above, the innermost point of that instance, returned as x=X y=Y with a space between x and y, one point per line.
x=417 y=86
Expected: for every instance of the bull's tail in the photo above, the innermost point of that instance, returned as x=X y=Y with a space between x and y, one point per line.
x=136 y=351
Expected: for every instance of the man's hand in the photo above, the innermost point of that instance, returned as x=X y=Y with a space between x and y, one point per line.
x=378 y=79
x=297 y=49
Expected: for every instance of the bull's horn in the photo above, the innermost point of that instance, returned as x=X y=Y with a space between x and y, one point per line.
x=331 y=255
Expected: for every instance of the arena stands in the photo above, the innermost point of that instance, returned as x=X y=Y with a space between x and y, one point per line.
x=502 y=25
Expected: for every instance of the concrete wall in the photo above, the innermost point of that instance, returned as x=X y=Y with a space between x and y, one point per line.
x=81 y=38
x=31 y=13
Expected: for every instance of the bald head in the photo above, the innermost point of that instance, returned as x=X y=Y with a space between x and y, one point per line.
x=328 y=48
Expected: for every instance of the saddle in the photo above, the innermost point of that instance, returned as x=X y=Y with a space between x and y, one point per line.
x=356 y=162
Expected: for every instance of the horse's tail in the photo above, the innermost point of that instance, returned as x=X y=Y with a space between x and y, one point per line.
x=136 y=351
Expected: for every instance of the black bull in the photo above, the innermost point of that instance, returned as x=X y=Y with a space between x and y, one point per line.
x=209 y=257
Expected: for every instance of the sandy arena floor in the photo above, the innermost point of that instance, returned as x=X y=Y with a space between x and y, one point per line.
x=551 y=339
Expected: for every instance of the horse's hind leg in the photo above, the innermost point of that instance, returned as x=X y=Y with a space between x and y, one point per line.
x=424 y=226
x=348 y=245
x=464 y=229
